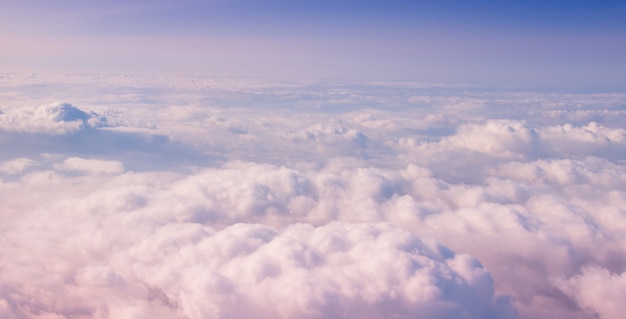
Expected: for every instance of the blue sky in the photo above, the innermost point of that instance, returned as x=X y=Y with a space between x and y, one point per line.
x=556 y=43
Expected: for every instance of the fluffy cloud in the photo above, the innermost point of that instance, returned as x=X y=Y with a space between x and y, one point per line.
x=215 y=199
x=523 y=234
x=589 y=139
x=497 y=137
x=119 y=264
x=512 y=139
x=56 y=118
x=598 y=291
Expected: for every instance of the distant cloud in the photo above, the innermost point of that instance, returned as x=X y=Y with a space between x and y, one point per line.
x=513 y=139
x=16 y=166
x=92 y=166
x=591 y=138
x=56 y=118
x=496 y=137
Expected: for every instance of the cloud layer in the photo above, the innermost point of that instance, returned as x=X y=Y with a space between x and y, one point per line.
x=196 y=198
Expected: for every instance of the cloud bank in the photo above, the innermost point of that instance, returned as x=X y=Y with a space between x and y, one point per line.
x=231 y=199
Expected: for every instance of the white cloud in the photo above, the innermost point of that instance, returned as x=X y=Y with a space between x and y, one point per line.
x=513 y=228
x=113 y=261
x=56 y=118
x=598 y=291
x=591 y=138
x=211 y=199
x=16 y=166
x=92 y=166
x=504 y=138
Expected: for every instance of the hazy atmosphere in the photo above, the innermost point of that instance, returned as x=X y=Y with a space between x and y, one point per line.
x=312 y=159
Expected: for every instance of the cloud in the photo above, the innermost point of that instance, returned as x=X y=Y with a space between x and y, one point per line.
x=329 y=138
x=61 y=128
x=16 y=166
x=497 y=137
x=479 y=145
x=56 y=119
x=133 y=267
x=523 y=234
x=92 y=166
x=201 y=198
x=591 y=138
x=598 y=291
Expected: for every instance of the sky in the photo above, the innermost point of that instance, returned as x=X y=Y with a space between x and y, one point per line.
x=312 y=159
x=531 y=43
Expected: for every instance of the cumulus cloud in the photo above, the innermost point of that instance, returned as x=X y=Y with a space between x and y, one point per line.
x=598 y=291
x=228 y=199
x=523 y=235
x=56 y=118
x=496 y=137
x=117 y=136
x=133 y=267
x=588 y=139
x=475 y=146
